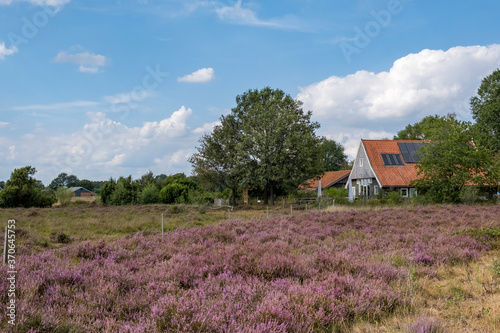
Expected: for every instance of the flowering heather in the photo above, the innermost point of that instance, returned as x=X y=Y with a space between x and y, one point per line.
x=315 y=272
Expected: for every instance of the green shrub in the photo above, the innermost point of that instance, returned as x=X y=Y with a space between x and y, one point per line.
x=469 y=194
x=150 y=195
x=60 y=237
x=394 y=197
x=64 y=195
x=174 y=193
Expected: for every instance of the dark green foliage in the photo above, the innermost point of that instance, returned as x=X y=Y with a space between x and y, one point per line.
x=85 y=183
x=267 y=142
x=150 y=195
x=125 y=192
x=64 y=180
x=451 y=161
x=333 y=155
x=174 y=193
x=424 y=129
x=107 y=190
x=339 y=194
x=22 y=190
x=486 y=111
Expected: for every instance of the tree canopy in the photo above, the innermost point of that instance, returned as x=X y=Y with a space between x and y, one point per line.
x=486 y=111
x=451 y=161
x=333 y=155
x=425 y=128
x=23 y=190
x=266 y=142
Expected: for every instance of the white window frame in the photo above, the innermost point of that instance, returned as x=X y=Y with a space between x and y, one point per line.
x=375 y=190
x=405 y=190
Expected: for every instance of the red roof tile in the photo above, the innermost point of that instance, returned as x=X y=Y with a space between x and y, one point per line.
x=397 y=176
x=327 y=179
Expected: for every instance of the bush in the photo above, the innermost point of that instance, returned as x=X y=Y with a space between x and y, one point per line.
x=469 y=194
x=394 y=197
x=64 y=195
x=174 y=193
x=150 y=195
x=60 y=237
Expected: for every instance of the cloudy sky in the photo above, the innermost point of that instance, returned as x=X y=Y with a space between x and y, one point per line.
x=101 y=89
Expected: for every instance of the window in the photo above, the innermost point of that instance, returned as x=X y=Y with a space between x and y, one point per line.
x=354 y=192
x=361 y=162
x=404 y=192
x=375 y=190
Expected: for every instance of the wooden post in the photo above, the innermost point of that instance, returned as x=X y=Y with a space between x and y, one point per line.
x=267 y=211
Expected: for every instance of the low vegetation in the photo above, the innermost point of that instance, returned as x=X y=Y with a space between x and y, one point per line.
x=421 y=269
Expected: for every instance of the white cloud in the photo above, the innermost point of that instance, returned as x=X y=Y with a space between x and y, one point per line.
x=4 y=51
x=57 y=106
x=245 y=16
x=88 y=62
x=206 y=128
x=3 y=124
x=103 y=148
x=51 y=3
x=426 y=83
x=129 y=97
x=200 y=76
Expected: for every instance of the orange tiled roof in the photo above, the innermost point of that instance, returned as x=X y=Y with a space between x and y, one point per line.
x=327 y=179
x=389 y=175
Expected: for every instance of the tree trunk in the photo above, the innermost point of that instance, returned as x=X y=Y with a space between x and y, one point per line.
x=233 y=197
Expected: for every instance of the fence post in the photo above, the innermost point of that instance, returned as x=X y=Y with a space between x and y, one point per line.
x=267 y=211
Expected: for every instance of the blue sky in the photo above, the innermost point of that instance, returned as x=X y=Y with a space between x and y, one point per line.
x=101 y=89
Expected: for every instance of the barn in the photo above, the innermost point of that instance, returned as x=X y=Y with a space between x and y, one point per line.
x=81 y=192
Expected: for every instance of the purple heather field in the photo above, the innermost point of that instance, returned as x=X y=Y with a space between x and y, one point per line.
x=314 y=272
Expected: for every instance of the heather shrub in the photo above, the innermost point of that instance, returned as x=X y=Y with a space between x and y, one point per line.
x=425 y=325
x=315 y=272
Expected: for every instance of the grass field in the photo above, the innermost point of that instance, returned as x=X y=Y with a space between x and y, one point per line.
x=108 y=269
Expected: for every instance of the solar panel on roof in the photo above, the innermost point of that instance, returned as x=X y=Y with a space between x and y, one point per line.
x=392 y=159
x=409 y=151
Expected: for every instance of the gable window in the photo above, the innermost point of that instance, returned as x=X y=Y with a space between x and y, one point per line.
x=361 y=162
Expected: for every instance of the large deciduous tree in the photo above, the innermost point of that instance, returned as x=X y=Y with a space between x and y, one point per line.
x=267 y=141
x=486 y=111
x=424 y=129
x=333 y=155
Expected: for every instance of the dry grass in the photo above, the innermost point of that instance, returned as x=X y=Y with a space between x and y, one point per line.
x=463 y=298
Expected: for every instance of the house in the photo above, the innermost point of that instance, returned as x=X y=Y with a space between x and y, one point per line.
x=384 y=164
x=81 y=192
x=329 y=179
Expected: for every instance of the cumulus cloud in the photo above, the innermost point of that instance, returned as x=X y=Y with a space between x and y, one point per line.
x=200 y=76
x=5 y=51
x=103 y=148
x=426 y=83
x=88 y=62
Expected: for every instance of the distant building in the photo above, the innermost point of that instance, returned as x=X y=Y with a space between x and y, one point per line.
x=384 y=164
x=81 y=192
x=329 y=179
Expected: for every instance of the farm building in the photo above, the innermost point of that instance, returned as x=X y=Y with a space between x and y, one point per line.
x=383 y=164
x=81 y=192
x=329 y=179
